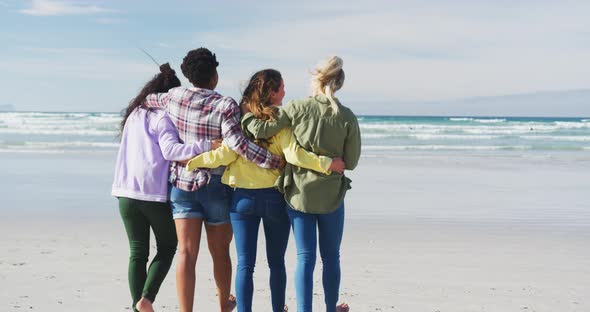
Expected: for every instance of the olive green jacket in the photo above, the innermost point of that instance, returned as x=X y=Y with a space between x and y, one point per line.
x=323 y=133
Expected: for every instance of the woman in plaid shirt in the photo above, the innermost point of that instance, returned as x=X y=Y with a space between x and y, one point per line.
x=198 y=196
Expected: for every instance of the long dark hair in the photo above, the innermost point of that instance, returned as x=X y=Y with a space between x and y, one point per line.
x=161 y=82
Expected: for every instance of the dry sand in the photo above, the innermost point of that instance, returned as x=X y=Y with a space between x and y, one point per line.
x=423 y=233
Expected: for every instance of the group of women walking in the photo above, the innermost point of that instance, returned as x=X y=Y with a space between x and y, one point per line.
x=191 y=157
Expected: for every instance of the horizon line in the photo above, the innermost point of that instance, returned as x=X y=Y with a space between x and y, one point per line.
x=358 y=115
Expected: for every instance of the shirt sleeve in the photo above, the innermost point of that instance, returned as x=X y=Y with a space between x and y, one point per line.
x=222 y=156
x=352 y=145
x=261 y=129
x=235 y=139
x=298 y=156
x=157 y=100
x=170 y=145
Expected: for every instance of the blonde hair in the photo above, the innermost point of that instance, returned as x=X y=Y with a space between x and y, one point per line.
x=327 y=78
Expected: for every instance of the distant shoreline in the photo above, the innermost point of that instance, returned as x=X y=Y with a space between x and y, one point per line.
x=358 y=115
x=7 y=108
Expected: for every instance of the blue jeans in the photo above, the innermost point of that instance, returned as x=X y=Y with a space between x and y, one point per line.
x=248 y=208
x=305 y=228
x=210 y=203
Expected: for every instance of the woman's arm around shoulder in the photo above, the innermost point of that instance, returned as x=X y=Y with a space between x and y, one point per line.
x=235 y=139
x=221 y=156
x=265 y=129
x=298 y=156
x=170 y=144
x=157 y=100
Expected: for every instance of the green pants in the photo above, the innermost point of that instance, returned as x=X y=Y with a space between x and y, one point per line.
x=138 y=216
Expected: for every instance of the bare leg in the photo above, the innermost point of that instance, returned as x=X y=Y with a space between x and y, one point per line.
x=189 y=238
x=144 y=305
x=218 y=239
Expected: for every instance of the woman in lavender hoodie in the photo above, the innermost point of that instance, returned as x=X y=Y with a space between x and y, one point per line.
x=149 y=141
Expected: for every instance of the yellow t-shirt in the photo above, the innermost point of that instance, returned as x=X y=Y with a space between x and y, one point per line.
x=242 y=173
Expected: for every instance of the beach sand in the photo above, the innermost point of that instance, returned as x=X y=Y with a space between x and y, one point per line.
x=423 y=233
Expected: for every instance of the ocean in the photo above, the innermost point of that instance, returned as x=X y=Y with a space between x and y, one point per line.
x=483 y=208
x=43 y=132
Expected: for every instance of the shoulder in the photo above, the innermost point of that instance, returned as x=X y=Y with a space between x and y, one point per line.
x=137 y=115
x=225 y=103
x=247 y=119
x=156 y=115
x=347 y=112
x=300 y=106
x=349 y=118
x=159 y=119
x=301 y=102
x=177 y=91
x=223 y=99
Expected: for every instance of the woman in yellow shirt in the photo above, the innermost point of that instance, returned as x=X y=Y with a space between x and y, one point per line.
x=255 y=197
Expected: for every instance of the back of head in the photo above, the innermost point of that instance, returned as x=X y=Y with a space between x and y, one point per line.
x=160 y=83
x=200 y=67
x=257 y=94
x=327 y=78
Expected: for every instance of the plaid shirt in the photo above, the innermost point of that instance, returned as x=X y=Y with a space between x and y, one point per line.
x=205 y=114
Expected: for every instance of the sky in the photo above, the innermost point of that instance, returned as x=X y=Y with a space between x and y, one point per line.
x=85 y=56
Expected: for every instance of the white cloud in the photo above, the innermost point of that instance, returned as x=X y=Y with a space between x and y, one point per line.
x=440 y=50
x=55 y=8
x=392 y=50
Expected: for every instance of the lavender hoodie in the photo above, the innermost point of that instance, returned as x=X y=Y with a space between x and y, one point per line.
x=149 y=141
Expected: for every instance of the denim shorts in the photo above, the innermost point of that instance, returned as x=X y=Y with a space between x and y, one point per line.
x=210 y=203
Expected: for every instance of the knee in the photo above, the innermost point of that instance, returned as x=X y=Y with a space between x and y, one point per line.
x=276 y=262
x=219 y=248
x=219 y=251
x=246 y=266
x=307 y=257
x=138 y=258
x=167 y=249
x=187 y=252
x=139 y=252
x=330 y=257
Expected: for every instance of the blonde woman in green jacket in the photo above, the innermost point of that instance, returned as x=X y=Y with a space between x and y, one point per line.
x=322 y=125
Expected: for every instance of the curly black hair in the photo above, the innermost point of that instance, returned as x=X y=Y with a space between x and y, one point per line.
x=160 y=83
x=199 y=67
